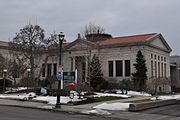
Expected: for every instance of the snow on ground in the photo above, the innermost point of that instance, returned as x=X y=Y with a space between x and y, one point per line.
x=47 y=107
x=49 y=99
x=52 y=100
x=134 y=93
x=113 y=106
x=168 y=97
x=110 y=94
x=19 y=96
x=101 y=109
x=130 y=93
x=10 y=90
x=97 y=111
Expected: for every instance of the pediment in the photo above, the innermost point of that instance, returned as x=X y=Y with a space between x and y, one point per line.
x=80 y=45
x=159 y=42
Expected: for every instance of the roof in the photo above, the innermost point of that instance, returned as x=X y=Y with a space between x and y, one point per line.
x=127 y=39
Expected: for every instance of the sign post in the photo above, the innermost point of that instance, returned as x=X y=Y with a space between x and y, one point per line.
x=59 y=76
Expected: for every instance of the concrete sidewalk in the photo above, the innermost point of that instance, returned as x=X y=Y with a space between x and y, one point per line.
x=65 y=108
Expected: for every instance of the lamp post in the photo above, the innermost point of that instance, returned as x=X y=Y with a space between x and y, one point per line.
x=4 y=83
x=61 y=39
x=27 y=82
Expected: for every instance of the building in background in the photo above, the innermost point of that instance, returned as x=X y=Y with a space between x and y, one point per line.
x=175 y=72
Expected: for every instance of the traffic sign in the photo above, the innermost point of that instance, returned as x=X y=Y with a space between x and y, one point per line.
x=59 y=76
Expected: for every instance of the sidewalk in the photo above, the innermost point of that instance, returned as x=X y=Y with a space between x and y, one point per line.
x=66 y=108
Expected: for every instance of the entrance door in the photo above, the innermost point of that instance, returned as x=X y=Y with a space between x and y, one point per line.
x=80 y=65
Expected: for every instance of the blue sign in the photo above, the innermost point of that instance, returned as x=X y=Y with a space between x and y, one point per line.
x=59 y=76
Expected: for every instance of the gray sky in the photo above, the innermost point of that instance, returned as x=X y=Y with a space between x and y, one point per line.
x=118 y=17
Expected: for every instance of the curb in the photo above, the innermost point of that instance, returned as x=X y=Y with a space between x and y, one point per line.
x=151 y=104
x=54 y=110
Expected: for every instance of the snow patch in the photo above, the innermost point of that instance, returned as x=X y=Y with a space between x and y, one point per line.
x=113 y=106
x=97 y=111
x=168 y=97
x=109 y=94
x=46 y=107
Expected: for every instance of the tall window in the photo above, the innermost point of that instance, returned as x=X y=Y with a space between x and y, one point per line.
x=165 y=69
x=151 y=55
x=119 y=68
x=158 y=69
x=55 y=69
x=72 y=64
x=152 y=69
x=127 y=68
x=49 y=69
x=110 y=68
x=155 y=67
x=162 y=69
x=43 y=70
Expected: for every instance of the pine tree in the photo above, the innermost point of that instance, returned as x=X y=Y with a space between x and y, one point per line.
x=140 y=75
x=96 y=77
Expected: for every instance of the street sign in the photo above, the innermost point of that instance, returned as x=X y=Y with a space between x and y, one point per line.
x=68 y=77
x=59 y=76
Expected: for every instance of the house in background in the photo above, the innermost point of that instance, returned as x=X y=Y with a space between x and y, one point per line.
x=175 y=72
x=117 y=56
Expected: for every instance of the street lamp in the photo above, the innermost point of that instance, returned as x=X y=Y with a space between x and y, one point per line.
x=4 y=83
x=27 y=81
x=61 y=39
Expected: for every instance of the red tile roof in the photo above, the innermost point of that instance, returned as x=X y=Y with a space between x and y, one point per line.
x=126 y=39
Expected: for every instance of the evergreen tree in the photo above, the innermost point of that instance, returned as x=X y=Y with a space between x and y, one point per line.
x=96 y=77
x=140 y=75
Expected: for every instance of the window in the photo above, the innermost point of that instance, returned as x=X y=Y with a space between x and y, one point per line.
x=83 y=71
x=158 y=58
x=72 y=64
x=49 y=69
x=164 y=59
x=43 y=70
x=127 y=68
x=151 y=56
x=165 y=69
x=110 y=68
x=158 y=69
x=154 y=56
x=162 y=69
x=155 y=67
x=161 y=58
x=152 y=69
x=55 y=69
x=119 y=68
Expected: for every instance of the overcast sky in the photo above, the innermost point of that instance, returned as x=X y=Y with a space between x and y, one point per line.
x=118 y=17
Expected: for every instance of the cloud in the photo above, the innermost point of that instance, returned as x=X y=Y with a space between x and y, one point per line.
x=118 y=17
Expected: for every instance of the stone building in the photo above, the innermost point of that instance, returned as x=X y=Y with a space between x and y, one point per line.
x=117 y=56
x=175 y=72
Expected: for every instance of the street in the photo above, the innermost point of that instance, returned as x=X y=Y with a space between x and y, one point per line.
x=16 y=113
x=171 y=110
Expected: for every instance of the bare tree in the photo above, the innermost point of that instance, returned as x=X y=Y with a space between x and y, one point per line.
x=26 y=43
x=92 y=29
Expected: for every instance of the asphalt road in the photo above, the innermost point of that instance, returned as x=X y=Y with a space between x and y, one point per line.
x=15 y=113
x=171 y=110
